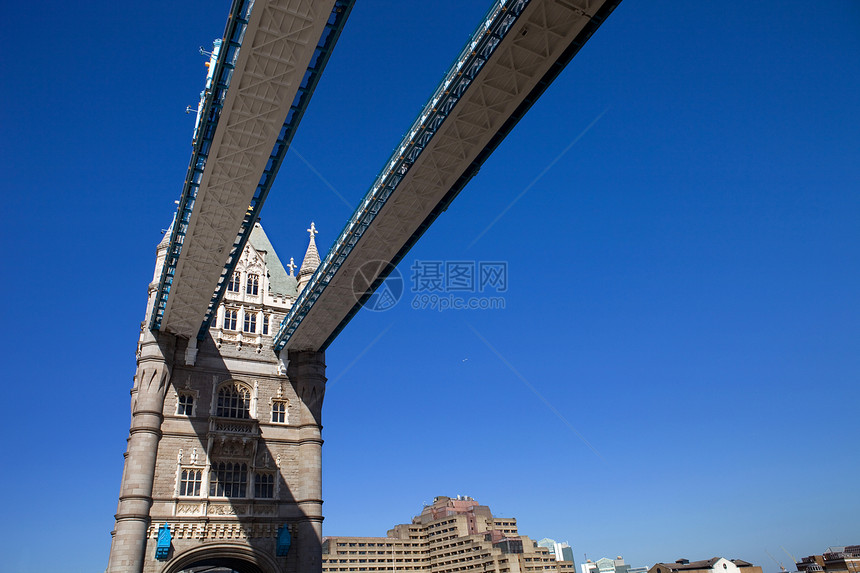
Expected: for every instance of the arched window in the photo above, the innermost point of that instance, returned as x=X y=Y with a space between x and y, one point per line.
x=250 y=322
x=264 y=485
x=233 y=285
x=230 y=317
x=253 y=284
x=228 y=479
x=234 y=401
x=185 y=404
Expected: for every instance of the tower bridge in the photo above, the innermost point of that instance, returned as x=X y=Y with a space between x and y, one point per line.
x=222 y=467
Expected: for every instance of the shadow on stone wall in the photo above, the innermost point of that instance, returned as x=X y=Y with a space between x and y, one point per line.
x=221 y=527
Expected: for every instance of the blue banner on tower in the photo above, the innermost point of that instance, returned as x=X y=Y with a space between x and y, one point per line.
x=163 y=547
x=284 y=541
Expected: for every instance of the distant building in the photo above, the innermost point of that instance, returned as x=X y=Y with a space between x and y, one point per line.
x=452 y=535
x=561 y=551
x=606 y=565
x=714 y=565
x=834 y=560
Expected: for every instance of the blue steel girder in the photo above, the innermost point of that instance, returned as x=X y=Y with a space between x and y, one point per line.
x=466 y=67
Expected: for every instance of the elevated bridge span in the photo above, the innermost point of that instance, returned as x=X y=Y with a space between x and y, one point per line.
x=514 y=55
x=271 y=57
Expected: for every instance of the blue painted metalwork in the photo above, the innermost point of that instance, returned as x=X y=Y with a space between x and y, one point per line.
x=162 y=549
x=284 y=541
x=494 y=27
x=204 y=132
x=328 y=39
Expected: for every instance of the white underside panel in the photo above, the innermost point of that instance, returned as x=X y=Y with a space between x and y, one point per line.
x=279 y=42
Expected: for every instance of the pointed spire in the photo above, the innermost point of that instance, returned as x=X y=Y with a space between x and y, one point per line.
x=165 y=240
x=161 y=252
x=311 y=262
x=292 y=266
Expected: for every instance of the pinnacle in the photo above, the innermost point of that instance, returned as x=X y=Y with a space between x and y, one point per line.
x=312 y=256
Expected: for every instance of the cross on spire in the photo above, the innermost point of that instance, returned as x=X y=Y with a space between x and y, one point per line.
x=292 y=266
x=311 y=260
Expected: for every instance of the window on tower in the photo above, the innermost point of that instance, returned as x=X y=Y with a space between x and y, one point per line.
x=265 y=324
x=279 y=411
x=233 y=285
x=250 y=324
x=185 y=404
x=264 y=485
x=234 y=401
x=189 y=483
x=228 y=479
x=230 y=318
x=252 y=285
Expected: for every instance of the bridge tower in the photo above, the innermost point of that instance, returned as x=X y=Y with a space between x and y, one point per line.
x=222 y=467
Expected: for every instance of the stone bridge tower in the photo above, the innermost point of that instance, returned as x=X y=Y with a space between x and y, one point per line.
x=223 y=467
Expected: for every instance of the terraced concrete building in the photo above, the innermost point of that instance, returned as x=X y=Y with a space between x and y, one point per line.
x=452 y=535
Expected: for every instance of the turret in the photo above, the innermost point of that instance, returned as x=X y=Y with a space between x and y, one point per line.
x=311 y=262
x=161 y=253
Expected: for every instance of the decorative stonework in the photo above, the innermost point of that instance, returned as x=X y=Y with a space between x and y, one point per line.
x=264 y=510
x=189 y=509
x=227 y=509
x=234 y=427
x=210 y=531
x=233 y=448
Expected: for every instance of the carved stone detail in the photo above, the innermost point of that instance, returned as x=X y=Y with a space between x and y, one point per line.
x=265 y=510
x=189 y=509
x=227 y=509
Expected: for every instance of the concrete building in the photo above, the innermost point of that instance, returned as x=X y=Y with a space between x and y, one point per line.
x=452 y=535
x=713 y=565
x=842 y=559
x=223 y=465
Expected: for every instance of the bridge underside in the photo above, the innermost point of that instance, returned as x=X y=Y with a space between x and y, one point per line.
x=267 y=73
x=496 y=80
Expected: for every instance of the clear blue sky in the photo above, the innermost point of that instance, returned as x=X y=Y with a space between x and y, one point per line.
x=683 y=280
